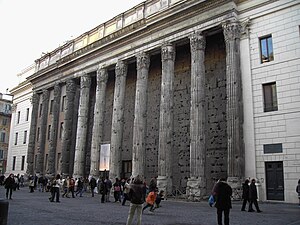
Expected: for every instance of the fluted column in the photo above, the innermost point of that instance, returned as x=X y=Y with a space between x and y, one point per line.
x=115 y=162
x=53 y=131
x=32 y=135
x=99 y=110
x=164 y=180
x=234 y=113
x=82 y=127
x=67 y=127
x=43 y=132
x=197 y=183
x=139 y=124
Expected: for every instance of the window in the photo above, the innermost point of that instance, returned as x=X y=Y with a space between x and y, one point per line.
x=4 y=121
x=41 y=106
x=23 y=162
x=27 y=114
x=25 y=137
x=1 y=154
x=51 y=106
x=14 y=163
x=266 y=49
x=272 y=148
x=104 y=157
x=63 y=103
x=2 y=137
x=49 y=132
x=16 y=138
x=270 y=97
x=38 y=134
x=61 y=130
x=18 y=120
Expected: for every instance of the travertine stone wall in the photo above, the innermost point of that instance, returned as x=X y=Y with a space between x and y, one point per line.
x=215 y=65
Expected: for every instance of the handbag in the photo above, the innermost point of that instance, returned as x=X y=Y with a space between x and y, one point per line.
x=211 y=201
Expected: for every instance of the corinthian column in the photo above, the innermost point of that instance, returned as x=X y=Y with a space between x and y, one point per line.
x=164 y=180
x=83 y=112
x=67 y=127
x=234 y=114
x=139 y=124
x=43 y=132
x=102 y=76
x=117 y=121
x=32 y=135
x=53 y=131
x=197 y=183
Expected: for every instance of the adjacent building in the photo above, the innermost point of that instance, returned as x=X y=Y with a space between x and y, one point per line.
x=20 y=124
x=187 y=91
x=5 y=118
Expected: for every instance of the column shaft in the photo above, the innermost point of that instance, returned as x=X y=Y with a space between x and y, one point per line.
x=117 y=121
x=67 y=127
x=234 y=113
x=197 y=182
x=54 y=129
x=164 y=180
x=139 y=124
x=32 y=135
x=99 y=110
x=83 y=111
x=43 y=132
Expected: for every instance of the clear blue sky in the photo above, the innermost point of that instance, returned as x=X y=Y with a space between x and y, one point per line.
x=30 y=27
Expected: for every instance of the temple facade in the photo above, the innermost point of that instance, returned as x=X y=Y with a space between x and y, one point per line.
x=186 y=91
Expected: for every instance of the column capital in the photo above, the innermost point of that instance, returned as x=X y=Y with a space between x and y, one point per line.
x=231 y=30
x=143 y=60
x=121 y=69
x=57 y=89
x=197 y=41
x=85 y=81
x=70 y=86
x=35 y=98
x=168 y=52
x=102 y=74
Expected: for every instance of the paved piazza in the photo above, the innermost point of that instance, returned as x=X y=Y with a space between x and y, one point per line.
x=35 y=209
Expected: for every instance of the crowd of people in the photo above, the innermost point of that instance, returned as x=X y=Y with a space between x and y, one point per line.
x=135 y=190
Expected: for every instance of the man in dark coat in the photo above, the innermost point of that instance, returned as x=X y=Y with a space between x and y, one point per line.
x=9 y=185
x=245 y=195
x=253 y=197
x=223 y=192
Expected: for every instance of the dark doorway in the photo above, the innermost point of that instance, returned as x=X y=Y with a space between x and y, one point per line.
x=275 y=182
x=126 y=169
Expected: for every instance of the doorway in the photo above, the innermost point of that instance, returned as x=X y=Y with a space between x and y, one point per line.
x=275 y=181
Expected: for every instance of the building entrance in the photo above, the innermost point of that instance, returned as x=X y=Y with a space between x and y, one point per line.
x=275 y=181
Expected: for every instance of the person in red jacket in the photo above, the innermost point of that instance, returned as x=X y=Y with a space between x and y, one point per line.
x=150 y=200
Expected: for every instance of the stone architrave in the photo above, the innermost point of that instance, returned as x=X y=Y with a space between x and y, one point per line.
x=117 y=121
x=234 y=109
x=43 y=132
x=196 y=185
x=32 y=135
x=83 y=113
x=139 y=124
x=164 y=179
x=53 y=131
x=67 y=127
x=97 y=136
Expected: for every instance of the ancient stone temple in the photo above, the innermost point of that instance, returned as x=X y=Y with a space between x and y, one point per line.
x=158 y=91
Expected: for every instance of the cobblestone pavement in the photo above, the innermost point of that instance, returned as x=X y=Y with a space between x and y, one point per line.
x=35 y=209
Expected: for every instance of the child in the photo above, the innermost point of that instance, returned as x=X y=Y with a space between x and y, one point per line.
x=150 y=200
x=158 y=199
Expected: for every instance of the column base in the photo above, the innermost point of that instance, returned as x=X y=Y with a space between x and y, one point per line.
x=236 y=185
x=164 y=183
x=196 y=189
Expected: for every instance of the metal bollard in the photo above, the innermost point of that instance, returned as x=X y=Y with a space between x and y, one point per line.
x=3 y=211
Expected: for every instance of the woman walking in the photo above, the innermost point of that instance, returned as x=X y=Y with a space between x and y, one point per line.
x=9 y=185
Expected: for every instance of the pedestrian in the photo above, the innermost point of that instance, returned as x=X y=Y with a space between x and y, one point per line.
x=245 y=195
x=102 y=189
x=72 y=186
x=253 y=197
x=126 y=190
x=22 y=181
x=117 y=190
x=31 y=184
x=9 y=185
x=152 y=184
x=298 y=191
x=222 y=193
x=150 y=200
x=79 y=189
x=55 y=189
x=137 y=198
x=108 y=188
x=158 y=199
x=93 y=184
